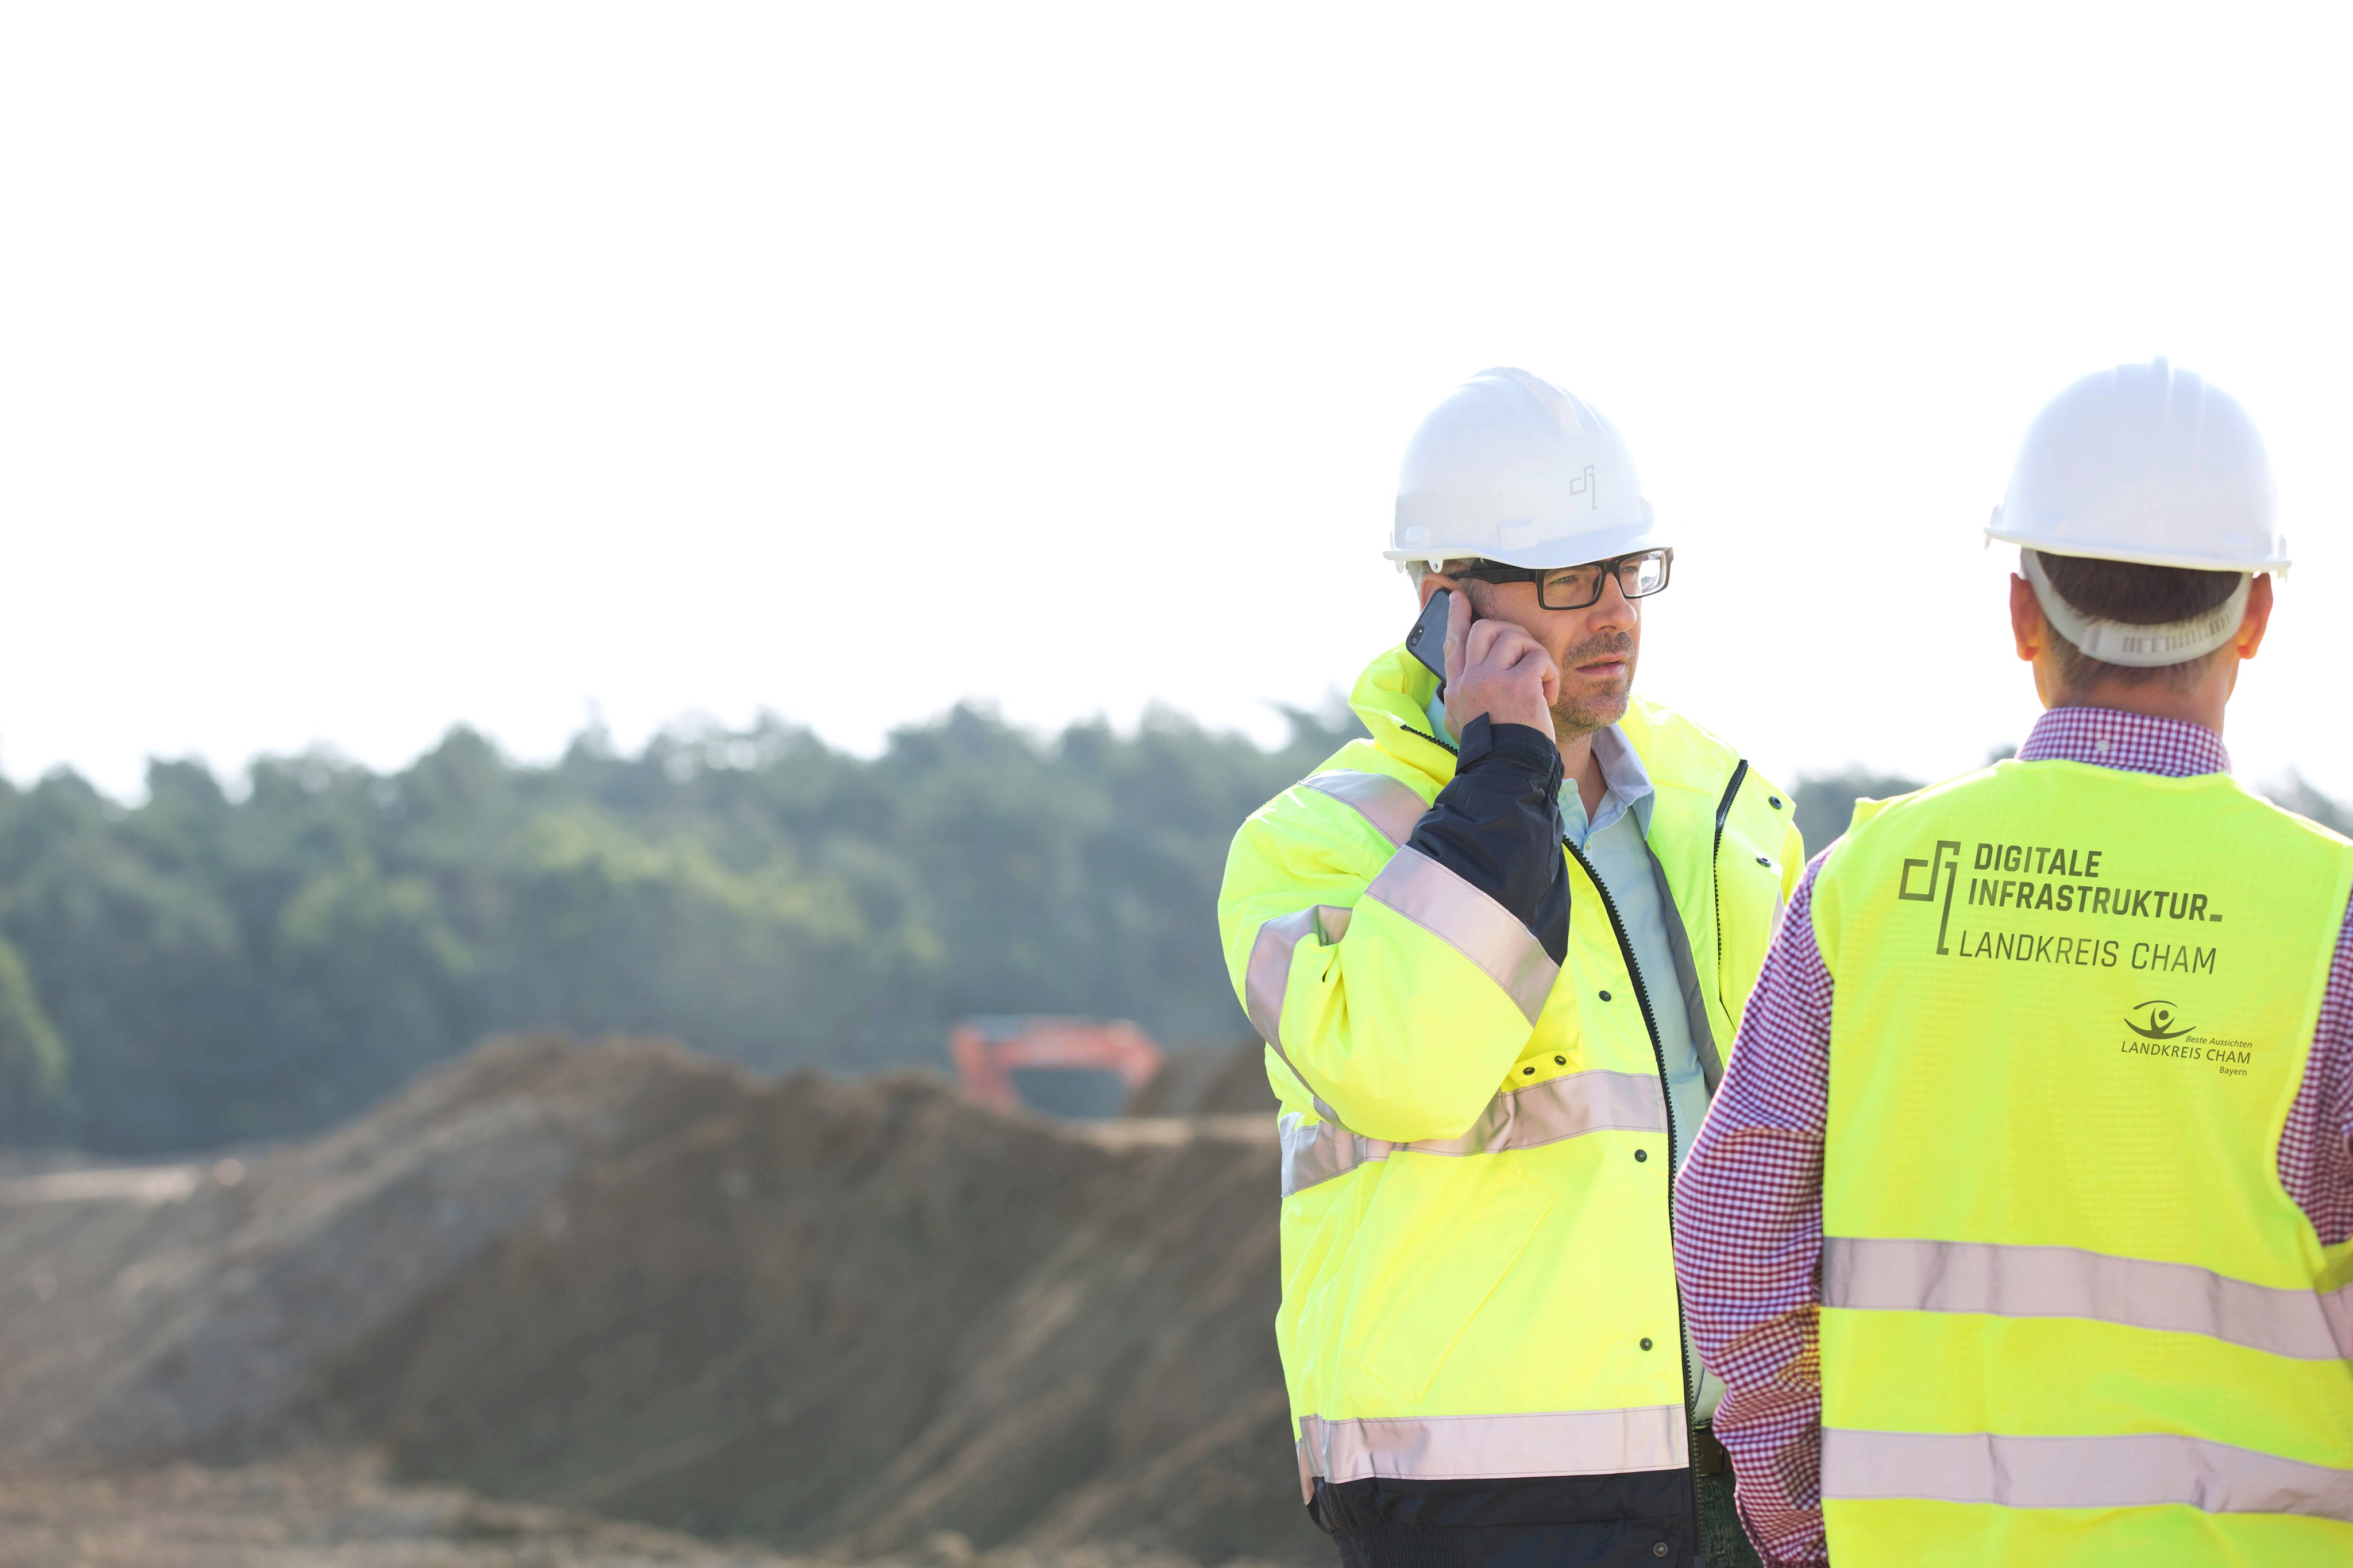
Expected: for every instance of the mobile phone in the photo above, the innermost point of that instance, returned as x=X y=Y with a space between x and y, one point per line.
x=1427 y=641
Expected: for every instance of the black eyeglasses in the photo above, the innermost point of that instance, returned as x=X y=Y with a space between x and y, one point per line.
x=1639 y=575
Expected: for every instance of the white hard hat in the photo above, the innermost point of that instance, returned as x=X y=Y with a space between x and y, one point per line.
x=2149 y=464
x=1512 y=468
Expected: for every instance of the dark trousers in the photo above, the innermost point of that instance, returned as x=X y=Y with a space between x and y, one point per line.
x=1722 y=1542
x=1666 y=1519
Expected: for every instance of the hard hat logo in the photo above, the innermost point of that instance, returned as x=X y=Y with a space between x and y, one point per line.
x=1512 y=468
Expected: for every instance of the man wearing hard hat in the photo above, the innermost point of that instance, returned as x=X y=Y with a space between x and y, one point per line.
x=1493 y=1008
x=2020 y=1228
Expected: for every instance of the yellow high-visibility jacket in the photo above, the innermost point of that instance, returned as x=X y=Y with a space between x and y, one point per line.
x=1480 y=1324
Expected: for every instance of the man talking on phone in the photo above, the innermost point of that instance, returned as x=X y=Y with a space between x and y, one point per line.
x=1494 y=1009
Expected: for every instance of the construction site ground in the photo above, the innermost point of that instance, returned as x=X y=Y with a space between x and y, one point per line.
x=613 y=1304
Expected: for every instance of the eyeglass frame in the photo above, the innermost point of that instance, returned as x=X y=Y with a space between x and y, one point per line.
x=1500 y=572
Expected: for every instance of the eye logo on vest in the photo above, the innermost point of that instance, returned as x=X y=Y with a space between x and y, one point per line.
x=2159 y=1037
x=2155 y=1016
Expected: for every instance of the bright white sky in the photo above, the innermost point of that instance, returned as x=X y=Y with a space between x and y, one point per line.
x=364 y=370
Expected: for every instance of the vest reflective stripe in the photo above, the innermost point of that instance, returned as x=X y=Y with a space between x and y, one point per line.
x=1461 y=1448
x=2067 y=1282
x=1482 y=930
x=1527 y=1117
x=1390 y=805
x=2143 y=1470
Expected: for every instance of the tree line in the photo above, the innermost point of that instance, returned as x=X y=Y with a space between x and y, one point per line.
x=209 y=966
x=213 y=965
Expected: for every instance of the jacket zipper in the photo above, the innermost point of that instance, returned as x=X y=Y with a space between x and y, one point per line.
x=1715 y=880
x=1449 y=750
x=1666 y=1099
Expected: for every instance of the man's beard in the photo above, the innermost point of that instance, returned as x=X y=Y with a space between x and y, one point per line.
x=1581 y=715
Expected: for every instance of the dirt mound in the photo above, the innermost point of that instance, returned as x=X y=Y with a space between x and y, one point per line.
x=834 y=1315
x=1209 y=1080
x=187 y=1309
x=325 y=1511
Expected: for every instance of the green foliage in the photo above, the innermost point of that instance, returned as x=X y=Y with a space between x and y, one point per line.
x=227 y=968
x=1826 y=802
x=200 y=969
x=2295 y=794
x=32 y=1058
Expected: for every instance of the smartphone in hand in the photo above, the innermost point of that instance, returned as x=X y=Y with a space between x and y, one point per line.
x=1427 y=641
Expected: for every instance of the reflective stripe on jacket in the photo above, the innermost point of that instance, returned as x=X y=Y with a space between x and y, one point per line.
x=2070 y=1315
x=1478 y=1286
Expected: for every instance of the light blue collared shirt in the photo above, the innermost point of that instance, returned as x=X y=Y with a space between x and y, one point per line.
x=1614 y=842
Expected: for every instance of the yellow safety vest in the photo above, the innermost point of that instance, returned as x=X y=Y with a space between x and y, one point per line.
x=1478 y=1279
x=2069 y=1314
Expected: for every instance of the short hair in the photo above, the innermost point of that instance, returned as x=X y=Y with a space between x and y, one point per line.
x=1419 y=569
x=2135 y=595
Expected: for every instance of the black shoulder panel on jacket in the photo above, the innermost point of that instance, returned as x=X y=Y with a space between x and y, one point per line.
x=1497 y=826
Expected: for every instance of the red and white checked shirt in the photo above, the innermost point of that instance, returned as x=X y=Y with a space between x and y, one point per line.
x=1748 y=1205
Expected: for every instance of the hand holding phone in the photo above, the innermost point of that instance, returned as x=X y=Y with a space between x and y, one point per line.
x=1483 y=666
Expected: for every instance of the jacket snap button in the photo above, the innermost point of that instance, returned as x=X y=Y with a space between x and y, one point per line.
x=1641 y=1154
x=1646 y=1344
x=1660 y=1550
x=1531 y=1071
x=1764 y=860
x=1605 y=995
x=1560 y=1061
x=1775 y=800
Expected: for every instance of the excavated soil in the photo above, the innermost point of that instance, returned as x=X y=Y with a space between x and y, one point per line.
x=853 y=1319
x=327 y=1511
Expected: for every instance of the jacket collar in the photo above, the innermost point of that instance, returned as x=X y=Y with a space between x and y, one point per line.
x=1392 y=699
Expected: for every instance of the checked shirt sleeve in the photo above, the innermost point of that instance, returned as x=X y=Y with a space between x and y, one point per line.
x=2315 y=1160
x=1748 y=1243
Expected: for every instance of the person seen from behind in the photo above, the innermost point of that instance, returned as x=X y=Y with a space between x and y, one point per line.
x=2019 y=1229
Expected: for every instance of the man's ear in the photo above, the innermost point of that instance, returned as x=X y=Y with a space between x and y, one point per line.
x=2258 y=619
x=2026 y=620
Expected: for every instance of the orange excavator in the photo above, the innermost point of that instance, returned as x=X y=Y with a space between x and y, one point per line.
x=987 y=1051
